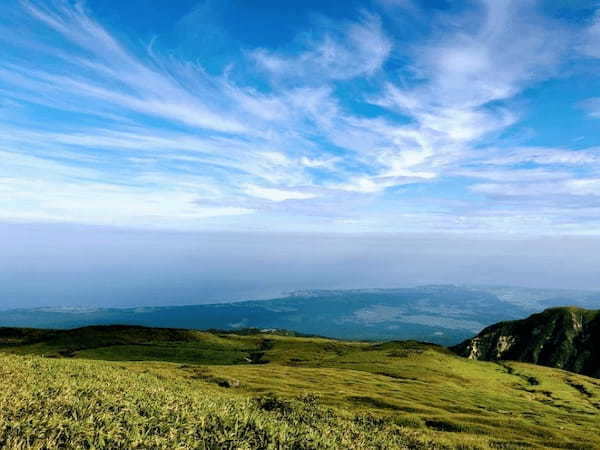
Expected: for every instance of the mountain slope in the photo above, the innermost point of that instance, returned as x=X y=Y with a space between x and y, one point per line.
x=566 y=338
x=115 y=387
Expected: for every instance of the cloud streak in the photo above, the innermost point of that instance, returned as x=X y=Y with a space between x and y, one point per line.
x=355 y=125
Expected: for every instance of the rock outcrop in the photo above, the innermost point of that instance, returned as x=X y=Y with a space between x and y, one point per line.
x=566 y=338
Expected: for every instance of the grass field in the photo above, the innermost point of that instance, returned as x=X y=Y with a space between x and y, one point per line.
x=186 y=389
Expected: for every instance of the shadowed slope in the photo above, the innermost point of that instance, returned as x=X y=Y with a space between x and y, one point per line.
x=566 y=338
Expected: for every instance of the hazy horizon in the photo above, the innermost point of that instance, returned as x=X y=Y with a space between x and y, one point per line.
x=201 y=150
x=69 y=265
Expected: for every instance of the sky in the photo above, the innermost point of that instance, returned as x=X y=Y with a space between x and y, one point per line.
x=201 y=150
x=358 y=116
x=82 y=266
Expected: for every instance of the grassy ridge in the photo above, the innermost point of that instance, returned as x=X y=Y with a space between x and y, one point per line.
x=129 y=343
x=223 y=390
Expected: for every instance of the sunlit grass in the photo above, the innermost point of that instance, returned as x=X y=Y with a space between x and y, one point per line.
x=297 y=393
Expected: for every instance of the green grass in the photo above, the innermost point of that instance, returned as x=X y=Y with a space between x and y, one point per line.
x=83 y=404
x=183 y=389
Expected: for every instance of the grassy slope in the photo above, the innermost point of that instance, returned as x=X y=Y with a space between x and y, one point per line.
x=414 y=394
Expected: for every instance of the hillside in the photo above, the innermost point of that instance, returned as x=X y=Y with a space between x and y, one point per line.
x=565 y=338
x=128 y=387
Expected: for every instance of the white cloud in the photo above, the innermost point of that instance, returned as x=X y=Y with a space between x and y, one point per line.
x=276 y=195
x=590 y=42
x=542 y=156
x=584 y=186
x=156 y=86
x=359 y=49
x=510 y=175
x=464 y=72
x=542 y=189
x=105 y=204
x=178 y=145
x=592 y=105
x=315 y=163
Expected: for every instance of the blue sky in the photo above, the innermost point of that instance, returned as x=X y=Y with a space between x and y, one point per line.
x=311 y=116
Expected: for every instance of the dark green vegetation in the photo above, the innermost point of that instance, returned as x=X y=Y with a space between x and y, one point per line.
x=131 y=343
x=445 y=315
x=566 y=338
x=82 y=389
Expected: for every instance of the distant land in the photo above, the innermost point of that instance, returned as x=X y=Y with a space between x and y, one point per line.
x=441 y=314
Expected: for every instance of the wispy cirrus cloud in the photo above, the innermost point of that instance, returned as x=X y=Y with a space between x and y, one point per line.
x=354 y=124
x=590 y=39
x=592 y=106
x=356 y=49
x=468 y=72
